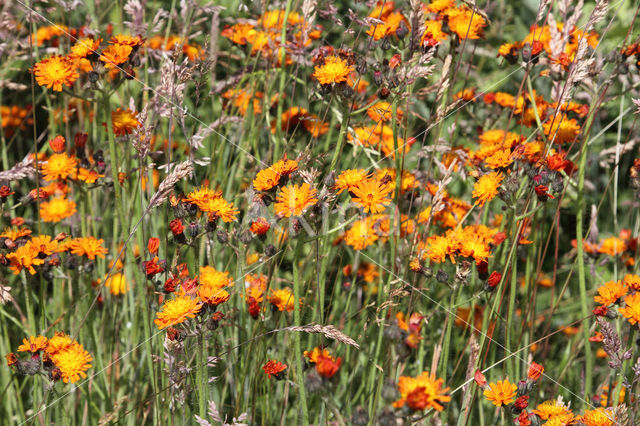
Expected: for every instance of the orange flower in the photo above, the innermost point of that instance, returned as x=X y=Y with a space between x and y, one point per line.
x=561 y=129
x=55 y=72
x=334 y=70
x=610 y=292
x=361 y=234
x=85 y=47
x=293 y=200
x=56 y=209
x=535 y=371
x=555 y=412
x=327 y=367
x=316 y=353
x=486 y=188
x=34 y=344
x=501 y=393
x=274 y=368
x=599 y=417
x=612 y=246
x=381 y=111
x=371 y=195
x=266 y=179
x=59 y=166
x=117 y=284
x=349 y=179
x=632 y=309
x=88 y=246
x=177 y=310
x=433 y=33
x=115 y=55
x=126 y=40
x=466 y=23
x=281 y=299
x=72 y=361
x=422 y=392
x=633 y=281
x=124 y=121
x=25 y=257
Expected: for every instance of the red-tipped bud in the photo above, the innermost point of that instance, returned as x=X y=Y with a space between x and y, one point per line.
x=535 y=371
x=480 y=379
x=57 y=144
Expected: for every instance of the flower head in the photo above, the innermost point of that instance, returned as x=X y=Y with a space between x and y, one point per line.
x=486 y=188
x=124 y=121
x=117 y=284
x=422 y=392
x=632 y=309
x=72 y=361
x=56 y=209
x=274 y=368
x=327 y=367
x=501 y=393
x=34 y=344
x=610 y=292
x=115 y=55
x=177 y=310
x=334 y=70
x=293 y=200
x=371 y=194
x=85 y=47
x=55 y=72
x=281 y=299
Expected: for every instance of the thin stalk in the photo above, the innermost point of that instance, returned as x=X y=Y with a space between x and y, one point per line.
x=296 y=335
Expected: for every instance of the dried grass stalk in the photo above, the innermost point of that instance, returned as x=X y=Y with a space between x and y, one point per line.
x=178 y=173
x=327 y=331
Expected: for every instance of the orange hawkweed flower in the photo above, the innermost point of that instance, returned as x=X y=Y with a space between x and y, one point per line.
x=274 y=368
x=610 y=292
x=381 y=111
x=34 y=344
x=599 y=417
x=633 y=281
x=56 y=209
x=220 y=208
x=632 y=309
x=334 y=70
x=266 y=179
x=117 y=284
x=260 y=226
x=59 y=166
x=361 y=234
x=315 y=354
x=126 y=40
x=433 y=34
x=554 y=411
x=293 y=200
x=327 y=367
x=72 y=361
x=88 y=246
x=422 y=392
x=281 y=299
x=535 y=371
x=561 y=129
x=115 y=55
x=85 y=47
x=210 y=276
x=348 y=179
x=212 y=295
x=25 y=257
x=124 y=121
x=177 y=310
x=501 y=393
x=465 y=23
x=55 y=72
x=486 y=188
x=371 y=195
x=612 y=246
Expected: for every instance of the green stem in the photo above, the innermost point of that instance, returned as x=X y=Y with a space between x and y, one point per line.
x=296 y=335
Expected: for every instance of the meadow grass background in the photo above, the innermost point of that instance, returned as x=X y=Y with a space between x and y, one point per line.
x=139 y=376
